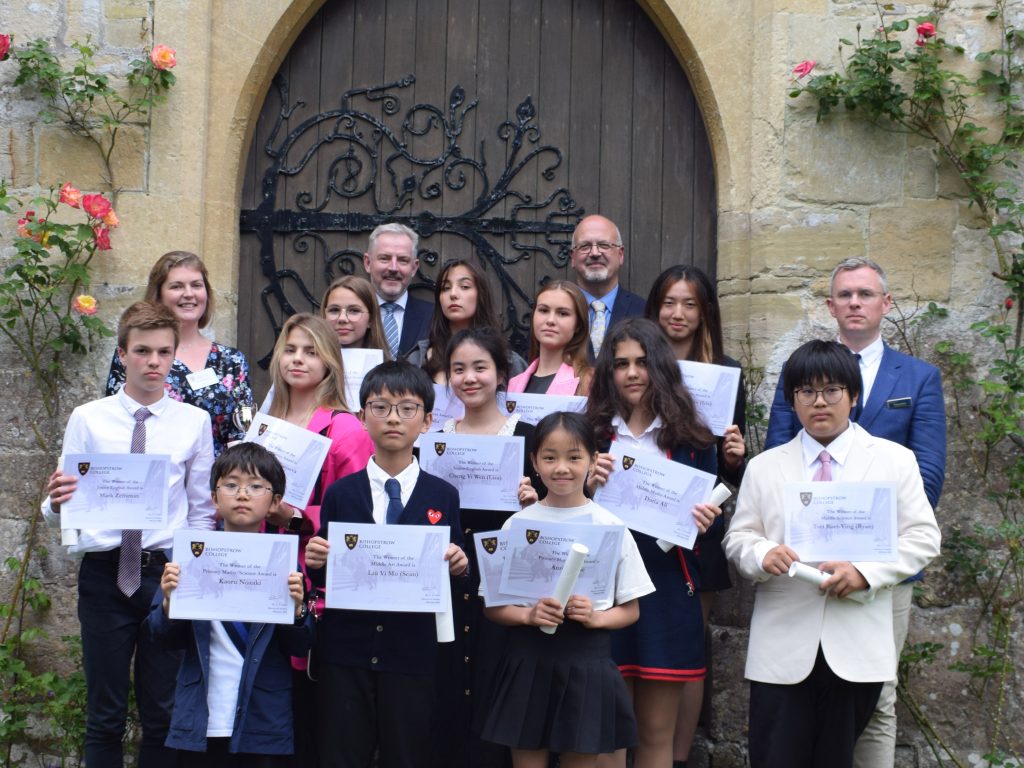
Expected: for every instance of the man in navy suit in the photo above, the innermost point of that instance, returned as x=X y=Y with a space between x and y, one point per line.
x=902 y=402
x=391 y=263
x=597 y=257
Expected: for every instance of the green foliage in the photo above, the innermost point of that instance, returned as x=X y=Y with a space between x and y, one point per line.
x=912 y=89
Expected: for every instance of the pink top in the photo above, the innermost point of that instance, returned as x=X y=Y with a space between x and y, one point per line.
x=565 y=382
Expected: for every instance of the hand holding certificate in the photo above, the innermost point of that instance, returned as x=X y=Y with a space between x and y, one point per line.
x=841 y=521
x=532 y=408
x=300 y=452
x=656 y=496
x=116 y=491
x=713 y=389
x=486 y=469
x=234 y=576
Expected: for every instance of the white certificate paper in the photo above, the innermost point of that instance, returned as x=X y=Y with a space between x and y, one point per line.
x=485 y=468
x=387 y=567
x=537 y=551
x=491 y=551
x=841 y=521
x=446 y=406
x=116 y=491
x=300 y=452
x=532 y=408
x=655 y=495
x=713 y=388
x=357 y=363
x=234 y=576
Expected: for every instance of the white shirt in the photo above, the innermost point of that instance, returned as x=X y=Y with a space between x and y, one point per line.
x=838 y=449
x=645 y=441
x=631 y=579
x=224 y=682
x=399 y=311
x=870 y=360
x=407 y=478
x=179 y=430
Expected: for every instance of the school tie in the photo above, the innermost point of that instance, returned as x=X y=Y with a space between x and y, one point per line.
x=129 y=561
x=391 y=327
x=597 y=328
x=824 y=472
x=394 y=491
x=859 y=407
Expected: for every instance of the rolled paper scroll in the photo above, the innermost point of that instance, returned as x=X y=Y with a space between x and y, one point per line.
x=718 y=498
x=444 y=621
x=567 y=578
x=810 y=574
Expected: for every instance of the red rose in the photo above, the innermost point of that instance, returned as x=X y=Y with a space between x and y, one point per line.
x=1009 y=302
x=804 y=68
x=5 y=47
x=70 y=196
x=102 y=238
x=97 y=206
x=927 y=29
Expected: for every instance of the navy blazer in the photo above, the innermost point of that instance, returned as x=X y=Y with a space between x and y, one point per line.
x=263 y=715
x=626 y=305
x=415 y=324
x=905 y=406
x=382 y=641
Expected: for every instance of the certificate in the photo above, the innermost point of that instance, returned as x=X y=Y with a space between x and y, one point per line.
x=387 y=567
x=116 y=490
x=300 y=452
x=491 y=551
x=234 y=576
x=656 y=496
x=485 y=468
x=713 y=389
x=537 y=551
x=446 y=405
x=841 y=521
x=532 y=408
x=357 y=363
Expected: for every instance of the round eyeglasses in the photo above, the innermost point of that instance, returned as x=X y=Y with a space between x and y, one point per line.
x=381 y=409
x=832 y=394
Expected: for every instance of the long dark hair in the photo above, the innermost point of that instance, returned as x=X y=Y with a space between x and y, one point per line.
x=490 y=341
x=666 y=395
x=485 y=315
x=707 y=344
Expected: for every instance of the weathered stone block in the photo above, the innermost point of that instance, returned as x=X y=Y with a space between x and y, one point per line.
x=920 y=178
x=126 y=9
x=63 y=157
x=784 y=243
x=126 y=33
x=842 y=160
x=914 y=244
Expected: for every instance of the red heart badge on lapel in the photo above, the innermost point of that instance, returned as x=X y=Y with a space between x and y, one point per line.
x=433 y=516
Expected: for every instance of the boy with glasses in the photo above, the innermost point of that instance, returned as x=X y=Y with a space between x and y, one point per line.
x=377 y=667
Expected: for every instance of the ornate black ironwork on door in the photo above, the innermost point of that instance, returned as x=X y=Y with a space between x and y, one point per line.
x=367 y=158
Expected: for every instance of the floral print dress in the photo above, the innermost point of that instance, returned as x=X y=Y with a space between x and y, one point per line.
x=221 y=399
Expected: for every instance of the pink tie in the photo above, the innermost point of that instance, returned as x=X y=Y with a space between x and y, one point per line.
x=824 y=472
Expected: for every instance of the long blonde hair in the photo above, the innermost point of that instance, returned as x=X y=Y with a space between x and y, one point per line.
x=330 y=393
x=361 y=287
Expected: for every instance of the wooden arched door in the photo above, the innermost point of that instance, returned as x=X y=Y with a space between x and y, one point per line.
x=489 y=126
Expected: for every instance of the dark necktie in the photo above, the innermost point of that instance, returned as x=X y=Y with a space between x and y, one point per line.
x=394 y=491
x=129 y=562
x=859 y=407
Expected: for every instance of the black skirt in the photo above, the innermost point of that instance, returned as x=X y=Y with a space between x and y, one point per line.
x=562 y=693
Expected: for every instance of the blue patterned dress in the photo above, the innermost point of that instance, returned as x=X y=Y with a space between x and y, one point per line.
x=220 y=400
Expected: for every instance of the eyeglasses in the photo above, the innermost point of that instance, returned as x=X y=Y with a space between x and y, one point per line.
x=866 y=296
x=603 y=246
x=352 y=313
x=381 y=409
x=252 y=489
x=833 y=393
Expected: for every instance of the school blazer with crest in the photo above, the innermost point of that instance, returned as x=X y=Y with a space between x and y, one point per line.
x=791 y=618
x=382 y=641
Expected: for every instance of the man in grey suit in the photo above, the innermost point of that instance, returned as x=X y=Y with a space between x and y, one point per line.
x=597 y=257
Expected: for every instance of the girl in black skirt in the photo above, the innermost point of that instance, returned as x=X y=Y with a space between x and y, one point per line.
x=562 y=693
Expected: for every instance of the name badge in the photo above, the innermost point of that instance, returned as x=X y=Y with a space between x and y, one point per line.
x=200 y=379
x=899 y=402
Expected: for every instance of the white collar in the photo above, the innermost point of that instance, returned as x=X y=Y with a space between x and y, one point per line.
x=132 y=406
x=401 y=301
x=838 y=449
x=406 y=478
x=620 y=426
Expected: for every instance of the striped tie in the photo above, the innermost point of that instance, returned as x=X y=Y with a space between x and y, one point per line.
x=129 y=560
x=597 y=329
x=391 y=327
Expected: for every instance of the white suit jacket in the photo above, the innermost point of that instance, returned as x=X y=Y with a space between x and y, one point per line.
x=791 y=618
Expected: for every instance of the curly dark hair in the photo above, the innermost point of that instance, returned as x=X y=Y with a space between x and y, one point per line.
x=666 y=396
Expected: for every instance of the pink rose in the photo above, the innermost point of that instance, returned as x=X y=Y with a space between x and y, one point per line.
x=84 y=304
x=5 y=47
x=111 y=220
x=1009 y=302
x=804 y=68
x=926 y=29
x=97 y=206
x=228 y=382
x=163 y=57
x=70 y=196
x=102 y=235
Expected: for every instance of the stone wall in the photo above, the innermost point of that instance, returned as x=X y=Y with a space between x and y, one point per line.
x=794 y=198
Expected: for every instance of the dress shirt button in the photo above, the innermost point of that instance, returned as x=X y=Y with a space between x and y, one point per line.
x=466 y=630
x=466 y=659
x=373 y=660
x=380 y=627
x=468 y=693
x=465 y=597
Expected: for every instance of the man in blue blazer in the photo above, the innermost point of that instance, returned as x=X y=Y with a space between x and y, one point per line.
x=902 y=402
x=597 y=257
x=391 y=263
